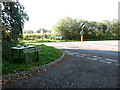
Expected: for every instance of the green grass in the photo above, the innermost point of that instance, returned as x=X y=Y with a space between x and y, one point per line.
x=40 y=40
x=46 y=55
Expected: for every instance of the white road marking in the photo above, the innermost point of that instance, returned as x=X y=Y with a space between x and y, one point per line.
x=88 y=58
x=92 y=58
x=111 y=60
x=70 y=54
x=88 y=55
x=98 y=60
x=67 y=51
x=105 y=61
x=84 y=54
x=97 y=57
x=75 y=53
x=80 y=56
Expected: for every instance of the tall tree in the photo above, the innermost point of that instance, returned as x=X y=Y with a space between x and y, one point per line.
x=28 y=31
x=68 y=28
x=114 y=30
x=13 y=17
x=38 y=31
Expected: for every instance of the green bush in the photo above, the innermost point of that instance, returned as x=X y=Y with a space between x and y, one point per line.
x=36 y=36
x=31 y=36
x=48 y=35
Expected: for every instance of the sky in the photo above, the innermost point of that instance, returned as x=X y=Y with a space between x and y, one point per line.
x=45 y=13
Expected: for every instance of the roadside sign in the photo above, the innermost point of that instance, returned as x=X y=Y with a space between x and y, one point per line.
x=82 y=33
x=82 y=24
x=57 y=37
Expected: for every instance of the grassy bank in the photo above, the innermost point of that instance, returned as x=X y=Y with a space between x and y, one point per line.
x=46 y=55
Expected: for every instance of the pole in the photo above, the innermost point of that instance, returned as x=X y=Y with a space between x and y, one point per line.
x=37 y=56
x=42 y=37
x=82 y=35
x=82 y=38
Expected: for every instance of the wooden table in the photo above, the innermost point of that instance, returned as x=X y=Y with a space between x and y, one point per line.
x=37 y=49
x=21 y=48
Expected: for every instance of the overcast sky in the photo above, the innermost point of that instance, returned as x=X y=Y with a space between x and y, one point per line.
x=45 y=13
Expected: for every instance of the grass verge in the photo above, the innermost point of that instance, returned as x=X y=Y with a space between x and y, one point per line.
x=46 y=55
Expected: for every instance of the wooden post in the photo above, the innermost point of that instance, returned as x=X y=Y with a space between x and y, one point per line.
x=19 y=55
x=37 y=56
x=26 y=57
x=12 y=53
x=32 y=50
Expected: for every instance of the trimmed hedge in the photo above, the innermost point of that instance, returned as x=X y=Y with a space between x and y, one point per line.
x=36 y=36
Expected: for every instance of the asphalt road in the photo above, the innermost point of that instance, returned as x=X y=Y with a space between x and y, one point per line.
x=89 y=65
x=110 y=45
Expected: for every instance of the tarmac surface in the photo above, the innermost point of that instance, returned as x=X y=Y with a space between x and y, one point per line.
x=91 y=64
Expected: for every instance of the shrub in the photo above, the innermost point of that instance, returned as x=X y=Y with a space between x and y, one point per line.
x=36 y=36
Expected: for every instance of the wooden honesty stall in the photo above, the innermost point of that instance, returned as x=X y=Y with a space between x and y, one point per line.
x=36 y=49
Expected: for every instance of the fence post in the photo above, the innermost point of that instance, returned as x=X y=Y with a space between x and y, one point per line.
x=37 y=56
x=26 y=57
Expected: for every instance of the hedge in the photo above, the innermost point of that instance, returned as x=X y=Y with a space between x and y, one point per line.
x=36 y=36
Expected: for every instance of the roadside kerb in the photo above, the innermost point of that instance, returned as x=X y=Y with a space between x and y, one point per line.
x=38 y=68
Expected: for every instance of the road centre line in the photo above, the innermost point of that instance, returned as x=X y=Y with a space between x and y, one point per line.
x=70 y=54
x=80 y=56
x=67 y=51
x=105 y=61
x=98 y=60
x=92 y=58
x=75 y=53
x=111 y=60
x=97 y=57
x=84 y=54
